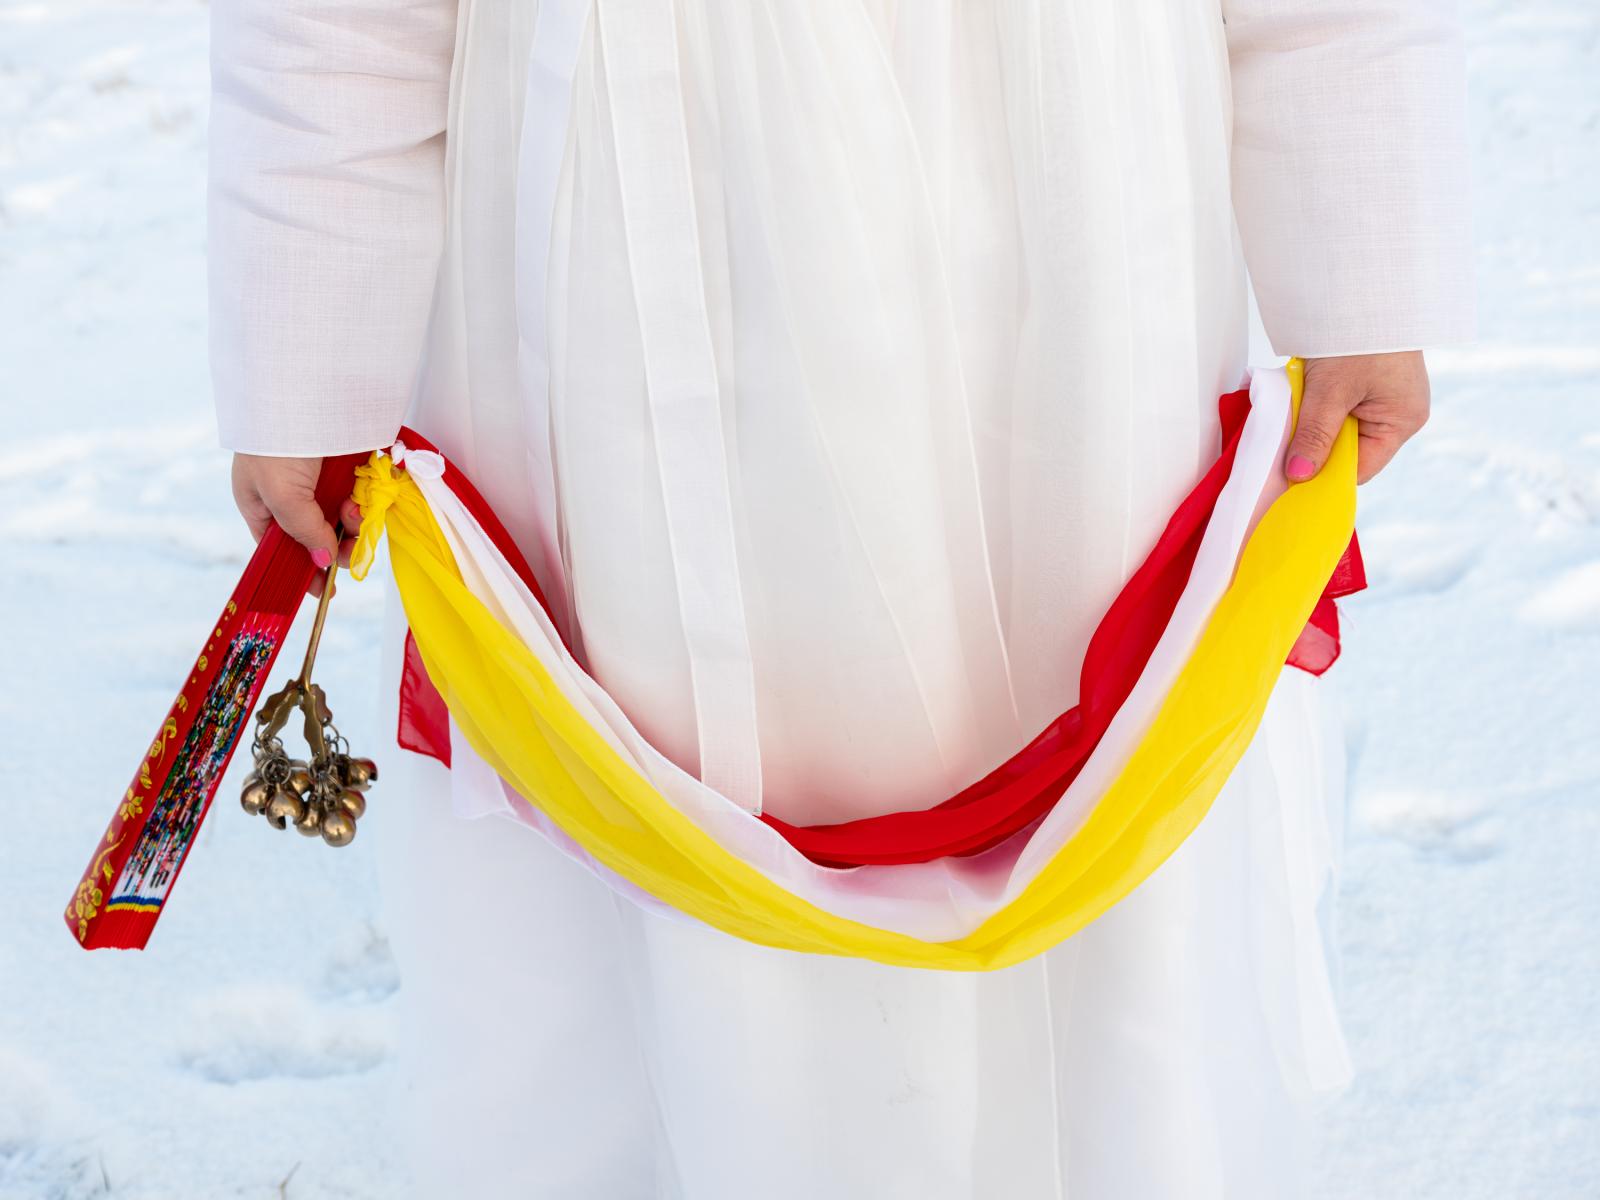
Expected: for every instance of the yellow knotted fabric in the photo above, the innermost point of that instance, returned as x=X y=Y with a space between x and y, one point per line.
x=515 y=716
x=379 y=483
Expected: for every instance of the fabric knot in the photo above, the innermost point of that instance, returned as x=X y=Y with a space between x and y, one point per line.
x=377 y=486
x=419 y=464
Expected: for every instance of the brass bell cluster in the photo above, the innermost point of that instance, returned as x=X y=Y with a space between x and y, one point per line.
x=323 y=795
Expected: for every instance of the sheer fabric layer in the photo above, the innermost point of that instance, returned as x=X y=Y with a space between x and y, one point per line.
x=973 y=286
x=962 y=360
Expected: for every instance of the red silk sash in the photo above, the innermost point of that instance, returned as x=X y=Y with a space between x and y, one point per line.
x=1020 y=790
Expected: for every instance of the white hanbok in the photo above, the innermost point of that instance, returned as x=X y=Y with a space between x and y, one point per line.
x=835 y=363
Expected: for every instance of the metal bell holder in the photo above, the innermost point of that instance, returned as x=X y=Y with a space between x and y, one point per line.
x=320 y=795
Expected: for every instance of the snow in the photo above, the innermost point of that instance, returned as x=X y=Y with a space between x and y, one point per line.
x=264 y=1032
x=1570 y=601
x=247 y=1053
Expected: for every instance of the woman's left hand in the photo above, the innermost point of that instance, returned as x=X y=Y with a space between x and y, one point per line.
x=1386 y=393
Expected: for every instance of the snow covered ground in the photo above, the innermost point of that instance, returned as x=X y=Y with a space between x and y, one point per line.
x=244 y=1056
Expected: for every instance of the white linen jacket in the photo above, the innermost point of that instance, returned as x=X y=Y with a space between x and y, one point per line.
x=328 y=193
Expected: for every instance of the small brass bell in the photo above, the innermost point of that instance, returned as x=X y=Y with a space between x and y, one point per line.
x=358 y=773
x=284 y=809
x=354 y=803
x=321 y=795
x=309 y=822
x=299 y=777
x=338 y=828
x=257 y=791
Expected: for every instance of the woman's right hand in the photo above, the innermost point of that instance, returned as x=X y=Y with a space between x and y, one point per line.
x=284 y=490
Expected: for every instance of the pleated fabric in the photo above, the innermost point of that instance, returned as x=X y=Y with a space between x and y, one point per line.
x=951 y=310
x=970 y=287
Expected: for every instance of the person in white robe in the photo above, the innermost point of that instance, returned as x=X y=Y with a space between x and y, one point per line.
x=950 y=289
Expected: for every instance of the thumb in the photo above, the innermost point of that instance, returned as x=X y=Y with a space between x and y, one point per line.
x=1322 y=412
x=296 y=510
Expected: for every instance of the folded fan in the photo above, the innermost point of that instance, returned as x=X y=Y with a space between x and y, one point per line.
x=136 y=863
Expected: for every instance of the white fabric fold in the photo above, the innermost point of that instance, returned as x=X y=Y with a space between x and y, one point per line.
x=680 y=379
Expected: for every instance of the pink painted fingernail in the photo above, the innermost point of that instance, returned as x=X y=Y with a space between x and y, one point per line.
x=1301 y=467
x=321 y=558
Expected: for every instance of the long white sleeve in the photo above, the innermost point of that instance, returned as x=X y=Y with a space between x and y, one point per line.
x=1350 y=172
x=325 y=215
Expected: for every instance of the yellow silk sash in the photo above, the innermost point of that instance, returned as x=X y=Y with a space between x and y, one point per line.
x=516 y=717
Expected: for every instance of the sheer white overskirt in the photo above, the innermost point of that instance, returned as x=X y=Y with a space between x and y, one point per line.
x=972 y=287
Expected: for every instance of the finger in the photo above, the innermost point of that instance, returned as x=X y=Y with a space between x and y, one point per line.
x=1322 y=412
x=318 y=582
x=350 y=516
x=257 y=517
x=298 y=513
x=1375 y=452
x=345 y=547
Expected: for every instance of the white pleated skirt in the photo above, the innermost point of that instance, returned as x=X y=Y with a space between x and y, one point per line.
x=559 y=1041
x=835 y=364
